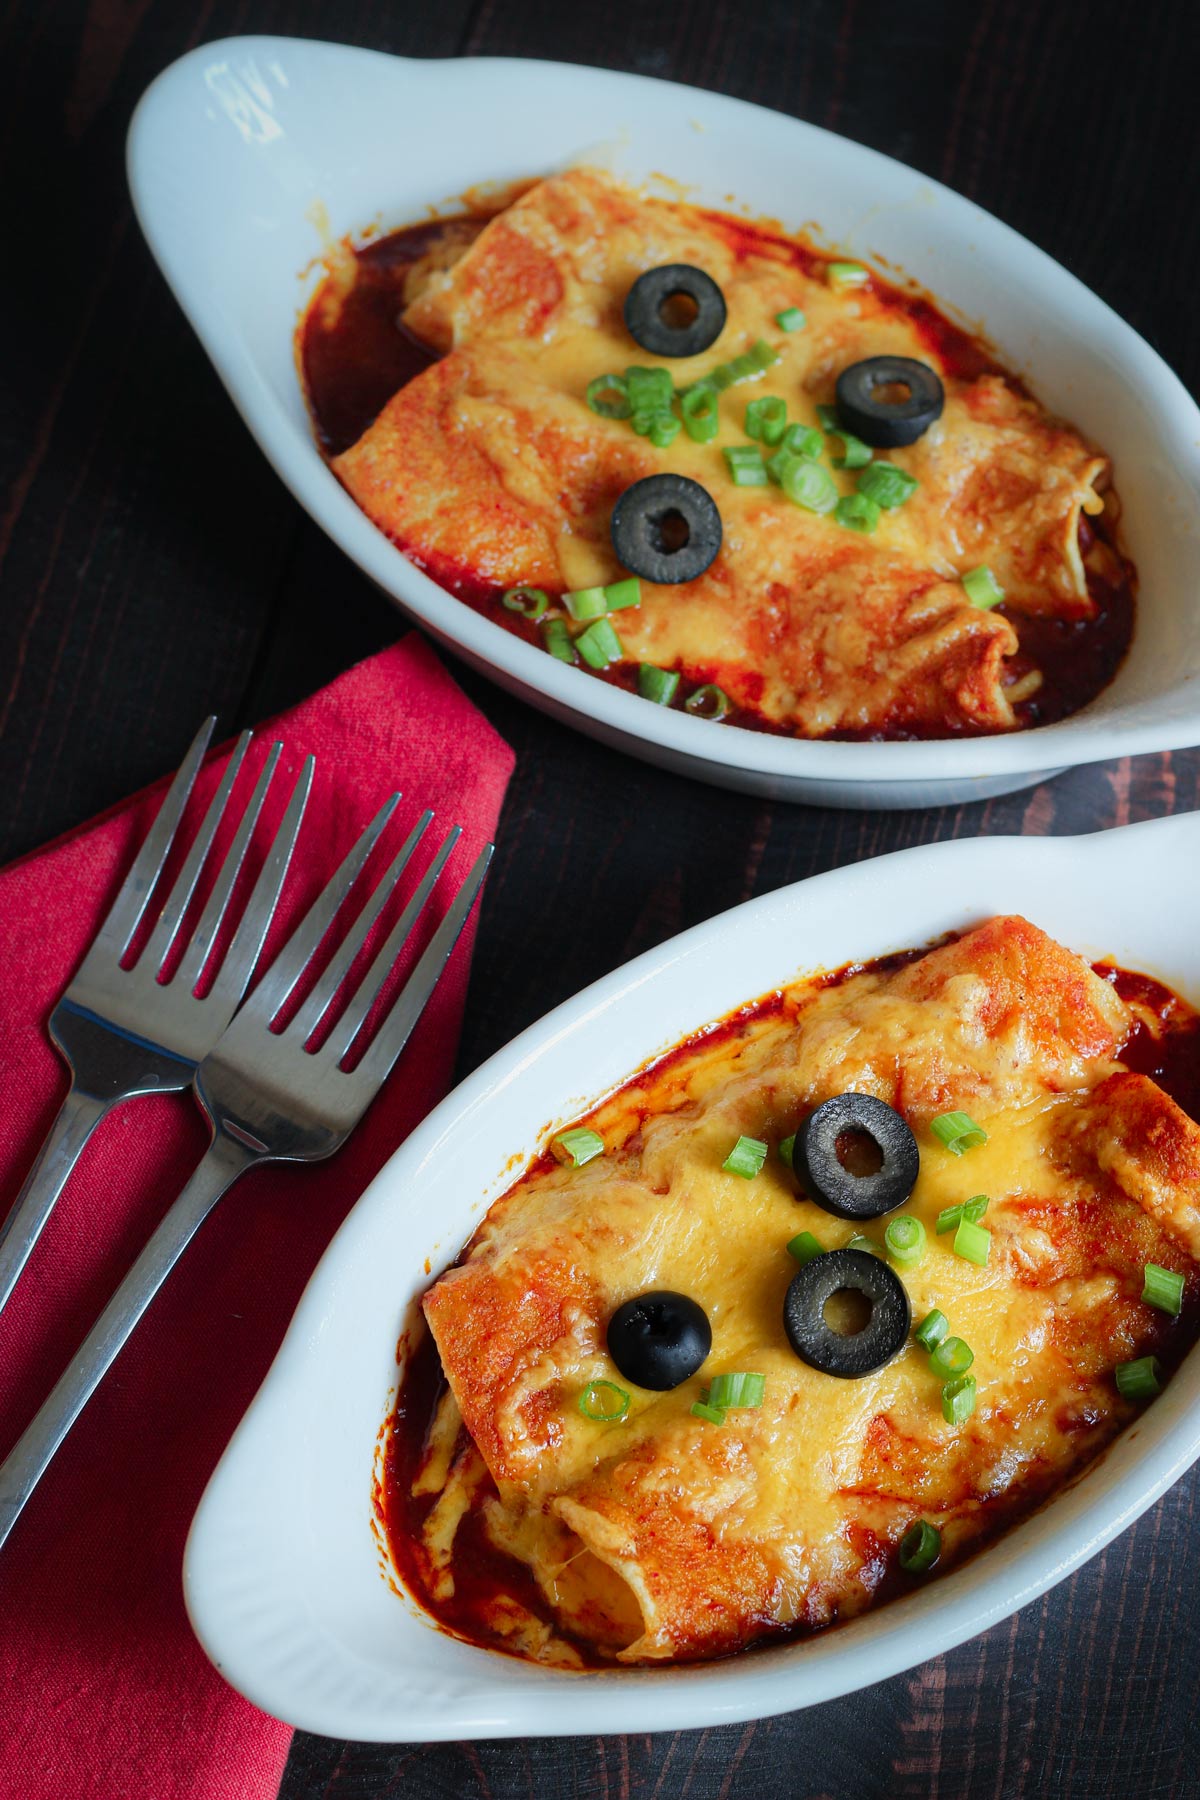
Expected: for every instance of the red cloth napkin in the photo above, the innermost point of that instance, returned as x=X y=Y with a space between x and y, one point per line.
x=105 y=1692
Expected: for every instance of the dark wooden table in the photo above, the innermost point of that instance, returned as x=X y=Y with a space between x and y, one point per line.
x=153 y=569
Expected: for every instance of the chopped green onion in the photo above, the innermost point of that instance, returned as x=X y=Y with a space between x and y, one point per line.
x=854 y=453
x=1164 y=1289
x=958 y=1400
x=920 y=1548
x=846 y=274
x=746 y=466
x=857 y=513
x=609 y=396
x=859 y=1242
x=557 y=640
x=786 y=1149
x=709 y=702
x=807 y=484
x=620 y=594
x=972 y=1242
x=951 y=1217
x=576 y=1147
x=649 y=390
x=932 y=1329
x=981 y=587
x=953 y=1356
x=828 y=416
x=791 y=319
x=658 y=685
x=702 y=1410
x=804 y=1246
x=586 y=603
x=904 y=1240
x=755 y=361
x=746 y=1158
x=887 y=485
x=1139 y=1380
x=604 y=1401
x=736 y=1390
x=701 y=412
x=599 y=645
x=664 y=430
x=803 y=440
x=957 y=1131
x=766 y=418
x=530 y=602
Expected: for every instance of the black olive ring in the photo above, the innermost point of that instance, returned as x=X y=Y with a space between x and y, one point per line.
x=888 y=424
x=816 y=1343
x=658 y=1339
x=647 y=317
x=826 y=1180
x=666 y=528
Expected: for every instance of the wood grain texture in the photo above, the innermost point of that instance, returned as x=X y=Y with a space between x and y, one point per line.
x=152 y=568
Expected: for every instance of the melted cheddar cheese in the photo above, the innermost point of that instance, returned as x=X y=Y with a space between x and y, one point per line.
x=663 y=1536
x=491 y=463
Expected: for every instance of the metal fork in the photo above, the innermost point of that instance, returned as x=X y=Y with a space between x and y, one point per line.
x=269 y=1099
x=124 y=1032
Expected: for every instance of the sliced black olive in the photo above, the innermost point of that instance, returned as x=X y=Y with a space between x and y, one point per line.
x=816 y=1342
x=666 y=528
x=856 y=1157
x=659 y=1339
x=675 y=310
x=889 y=400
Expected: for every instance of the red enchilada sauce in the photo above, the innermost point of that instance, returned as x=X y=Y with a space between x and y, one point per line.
x=1164 y=1044
x=354 y=354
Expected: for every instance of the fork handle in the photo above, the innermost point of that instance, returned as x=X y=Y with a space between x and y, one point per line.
x=77 y=1118
x=29 y=1458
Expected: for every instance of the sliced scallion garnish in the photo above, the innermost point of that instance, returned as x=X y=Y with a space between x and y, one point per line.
x=575 y=1147
x=733 y=1390
x=1139 y=1380
x=608 y=395
x=1163 y=1288
x=746 y=1158
x=958 y=1399
x=791 y=319
x=656 y=684
x=904 y=1240
x=846 y=274
x=530 y=602
x=957 y=1131
x=586 y=603
x=809 y=485
x=709 y=702
x=604 y=1402
x=857 y=513
x=920 y=1548
x=745 y=465
x=887 y=485
x=981 y=587
x=766 y=419
x=932 y=1329
x=599 y=645
x=953 y=1356
x=804 y=1246
x=557 y=640
x=972 y=1242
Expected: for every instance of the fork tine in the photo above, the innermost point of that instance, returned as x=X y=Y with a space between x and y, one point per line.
x=176 y=904
x=293 y=959
x=192 y=966
x=409 y=1004
x=125 y=914
x=238 y=964
x=365 y=996
x=314 y=1008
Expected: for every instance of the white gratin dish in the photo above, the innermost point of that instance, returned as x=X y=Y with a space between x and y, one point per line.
x=248 y=156
x=283 y=1573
